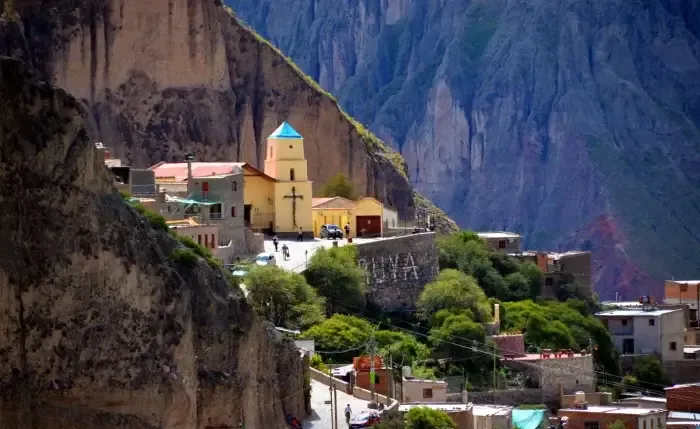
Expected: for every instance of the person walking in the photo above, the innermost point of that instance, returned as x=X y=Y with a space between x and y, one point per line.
x=275 y=242
x=347 y=230
x=300 y=235
x=285 y=251
x=348 y=413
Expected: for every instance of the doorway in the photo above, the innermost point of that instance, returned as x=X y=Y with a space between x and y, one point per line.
x=628 y=346
x=246 y=213
x=368 y=226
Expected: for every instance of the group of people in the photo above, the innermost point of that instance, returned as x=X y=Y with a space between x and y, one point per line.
x=285 y=248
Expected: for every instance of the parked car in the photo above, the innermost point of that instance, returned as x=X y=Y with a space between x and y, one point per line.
x=365 y=419
x=266 y=258
x=330 y=231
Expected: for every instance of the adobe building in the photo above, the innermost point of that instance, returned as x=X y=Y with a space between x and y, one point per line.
x=365 y=216
x=507 y=242
x=646 y=330
x=556 y=266
x=583 y=416
x=683 y=292
x=683 y=398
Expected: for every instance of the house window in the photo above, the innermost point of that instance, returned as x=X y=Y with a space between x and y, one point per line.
x=684 y=288
x=206 y=240
x=234 y=186
x=233 y=212
x=591 y=425
x=623 y=322
x=427 y=393
x=270 y=151
x=549 y=281
x=672 y=346
x=199 y=239
x=652 y=322
x=644 y=424
x=502 y=244
x=291 y=174
x=205 y=186
x=213 y=242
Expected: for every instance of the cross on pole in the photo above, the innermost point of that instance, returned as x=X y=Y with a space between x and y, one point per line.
x=294 y=198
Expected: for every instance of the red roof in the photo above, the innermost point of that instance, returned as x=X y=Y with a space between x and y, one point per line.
x=178 y=170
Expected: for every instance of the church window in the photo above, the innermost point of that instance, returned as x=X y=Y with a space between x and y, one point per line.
x=270 y=151
x=291 y=174
x=234 y=186
x=233 y=212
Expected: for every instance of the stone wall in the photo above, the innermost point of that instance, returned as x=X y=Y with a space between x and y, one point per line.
x=398 y=268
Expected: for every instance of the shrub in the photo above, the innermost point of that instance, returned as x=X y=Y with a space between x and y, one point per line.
x=317 y=363
x=156 y=221
x=183 y=256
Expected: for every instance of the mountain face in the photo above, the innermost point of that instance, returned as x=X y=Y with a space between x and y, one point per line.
x=160 y=79
x=576 y=123
x=99 y=328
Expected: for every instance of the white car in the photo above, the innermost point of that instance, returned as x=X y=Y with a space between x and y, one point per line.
x=266 y=258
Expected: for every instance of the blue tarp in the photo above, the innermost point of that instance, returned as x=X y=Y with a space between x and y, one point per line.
x=528 y=419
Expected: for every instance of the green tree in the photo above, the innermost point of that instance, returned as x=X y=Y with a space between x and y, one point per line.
x=283 y=297
x=649 y=372
x=334 y=273
x=453 y=290
x=456 y=336
x=339 y=333
x=400 y=348
x=392 y=419
x=428 y=418
x=518 y=287
x=339 y=186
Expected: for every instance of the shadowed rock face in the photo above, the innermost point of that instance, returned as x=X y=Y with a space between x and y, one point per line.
x=576 y=123
x=160 y=79
x=97 y=327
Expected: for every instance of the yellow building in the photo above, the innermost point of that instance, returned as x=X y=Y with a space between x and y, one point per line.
x=364 y=215
x=292 y=193
x=277 y=199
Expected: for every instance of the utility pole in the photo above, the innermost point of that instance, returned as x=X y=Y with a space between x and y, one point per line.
x=330 y=391
x=494 y=370
x=371 y=367
x=335 y=399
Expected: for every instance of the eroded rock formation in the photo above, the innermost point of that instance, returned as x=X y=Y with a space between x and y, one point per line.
x=97 y=328
x=166 y=77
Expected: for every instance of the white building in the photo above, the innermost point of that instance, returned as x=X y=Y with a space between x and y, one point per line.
x=646 y=330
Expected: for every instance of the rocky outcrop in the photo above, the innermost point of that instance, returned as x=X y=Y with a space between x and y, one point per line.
x=164 y=78
x=537 y=116
x=98 y=327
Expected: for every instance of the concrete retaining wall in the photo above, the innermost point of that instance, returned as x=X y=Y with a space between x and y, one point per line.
x=398 y=268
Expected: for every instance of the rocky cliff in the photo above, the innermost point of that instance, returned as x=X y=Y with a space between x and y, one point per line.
x=97 y=328
x=576 y=123
x=167 y=77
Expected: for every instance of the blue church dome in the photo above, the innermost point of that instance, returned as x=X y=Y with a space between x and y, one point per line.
x=285 y=131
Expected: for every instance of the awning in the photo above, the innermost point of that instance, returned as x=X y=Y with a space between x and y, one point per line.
x=191 y=201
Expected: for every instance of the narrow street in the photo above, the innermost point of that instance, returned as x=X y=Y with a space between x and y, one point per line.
x=297 y=250
x=320 y=417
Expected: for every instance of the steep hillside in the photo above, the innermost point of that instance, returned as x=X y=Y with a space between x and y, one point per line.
x=163 y=78
x=539 y=116
x=99 y=328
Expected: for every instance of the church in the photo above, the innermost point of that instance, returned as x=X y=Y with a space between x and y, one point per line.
x=276 y=200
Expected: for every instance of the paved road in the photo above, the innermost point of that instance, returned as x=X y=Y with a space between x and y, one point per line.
x=297 y=257
x=320 y=417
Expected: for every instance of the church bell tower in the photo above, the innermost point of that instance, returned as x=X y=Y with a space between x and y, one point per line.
x=285 y=161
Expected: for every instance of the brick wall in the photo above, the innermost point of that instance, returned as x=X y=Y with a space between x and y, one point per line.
x=382 y=378
x=513 y=344
x=683 y=399
x=398 y=268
